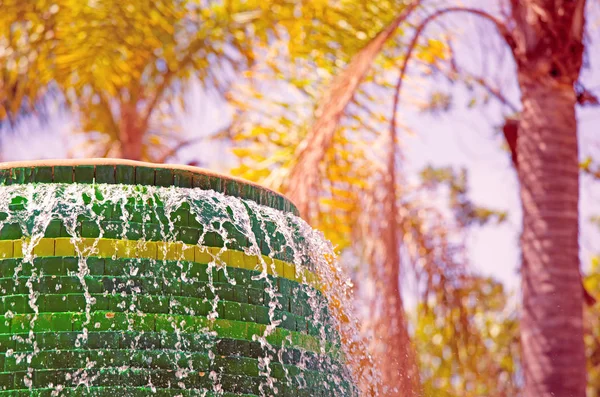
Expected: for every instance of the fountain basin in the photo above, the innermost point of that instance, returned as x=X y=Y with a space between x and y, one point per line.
x=126 y=278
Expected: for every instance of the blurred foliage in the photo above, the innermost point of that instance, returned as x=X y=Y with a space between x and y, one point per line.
x=275 y=110
x=471 y=349
x=592 y=328
x=120 y=66
x=456 y=182
x=591 y=168
x=123 y=67
x=27 y=38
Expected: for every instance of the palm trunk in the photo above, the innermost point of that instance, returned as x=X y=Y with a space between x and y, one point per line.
x=399 y=371
x=131 y=133
x=552 y=314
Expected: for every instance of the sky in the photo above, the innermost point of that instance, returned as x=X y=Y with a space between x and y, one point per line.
x=461 y=137
x=467 y=137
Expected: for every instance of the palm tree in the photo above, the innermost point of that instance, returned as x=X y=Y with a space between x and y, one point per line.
x=546 y=40
x=548 y=47
x=123 y=68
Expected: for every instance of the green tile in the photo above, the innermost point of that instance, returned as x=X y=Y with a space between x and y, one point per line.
x=84 y=173
x=238 y=240
x=201 y=181
x=248 y=313
x=294 y=210
x=232 y=311
x=281 y=203
x=172 y=287
x=54 y=303
x=188 y=235
x=4 y=176
x=101 y=303
x=134 y=231
x=16 y=176
x=14 y=286
x=11 y=177
x=94 y=285
x=112 y=229
x=5 y=328
x=259 y=195
x=240 y=293
x=24 y=175
x=113 y=267
x=7 y=267
x=125 y=174
x=144 y=176
x=11 y=231
x=181 y=215
x=246 y=191
x=154 y=304
x=52 y=265
x=262 y=315
x=103 y=340
x=61 y=322
x=90 y=229
x=143 y=322
x=19 y=200
x=43 y=174
x=12 y=364
x=164 y=177
x=43 y=323
x=213 y=239
x=255 y=296
x=198 y=271
x=256 y=194
x=54 y=228
x=301 y=324
x=17 y=207
x=271 y=200
x=95 y=266
x=70 y=264
x=284 y=301
x=231 y=329
x=103 y=210
x=106 y=174
x=66 y=340
x=183 y=179
x=215 y=183
x=63 y=174
x=232 y=188
x=66 y=284
x=135 y=213
x=285 y=286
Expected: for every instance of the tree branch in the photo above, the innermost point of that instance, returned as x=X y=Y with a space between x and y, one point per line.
x=496 y=93
x=224 y=132
x=166 y=81
x=502 y=29
x=304 y=175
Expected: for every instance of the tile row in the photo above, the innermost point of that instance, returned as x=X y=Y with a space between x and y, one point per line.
x=144 y=176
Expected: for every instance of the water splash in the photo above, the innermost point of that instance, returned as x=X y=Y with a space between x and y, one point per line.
x=144 y=315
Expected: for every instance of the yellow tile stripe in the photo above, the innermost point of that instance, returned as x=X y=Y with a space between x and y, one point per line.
x=172 y=250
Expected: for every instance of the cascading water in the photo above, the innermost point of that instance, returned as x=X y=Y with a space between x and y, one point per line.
x=137 y=290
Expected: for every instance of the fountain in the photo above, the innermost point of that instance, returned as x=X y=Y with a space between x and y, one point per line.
x=123 y=278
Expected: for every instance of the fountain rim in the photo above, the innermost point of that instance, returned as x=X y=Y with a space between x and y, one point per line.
x=134 y=163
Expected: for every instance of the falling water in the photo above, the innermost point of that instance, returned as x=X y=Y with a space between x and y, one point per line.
x=112 y=315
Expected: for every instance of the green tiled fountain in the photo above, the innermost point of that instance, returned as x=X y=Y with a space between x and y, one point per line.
x=120 y=278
